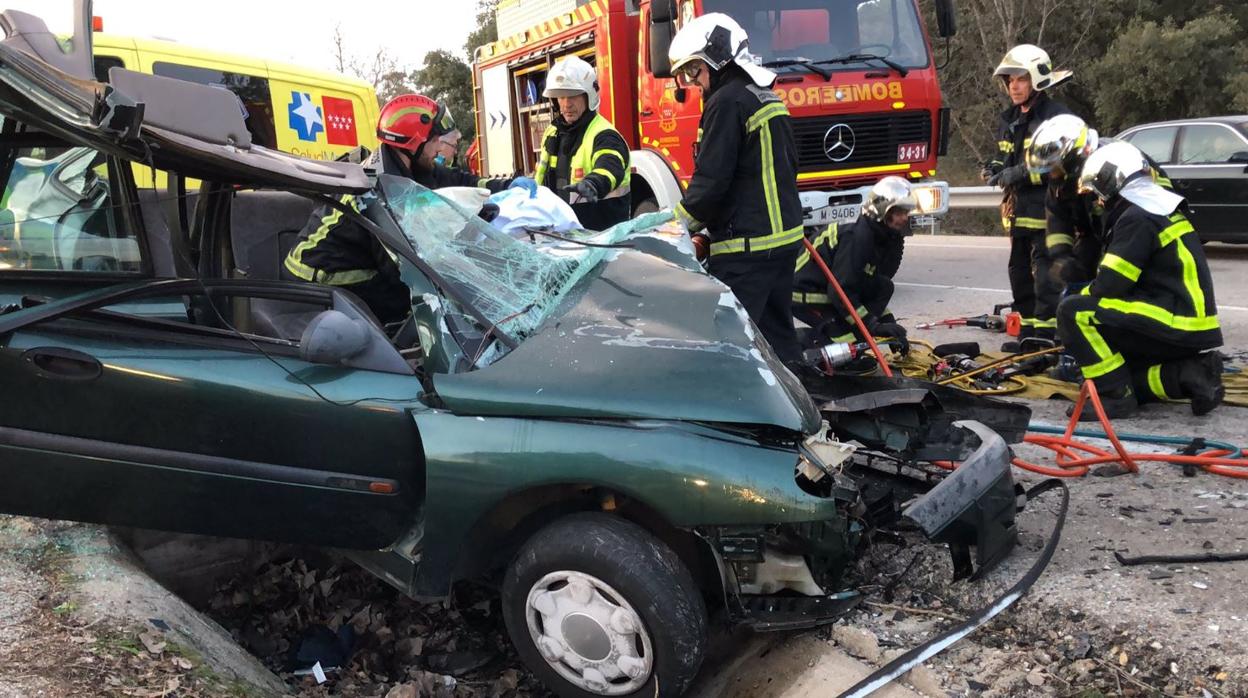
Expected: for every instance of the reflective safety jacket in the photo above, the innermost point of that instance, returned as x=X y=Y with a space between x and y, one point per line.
x=1155 y=277
x=744 y=186
x=1022 y=208
x=1075 y=223
x=859 y=256
x=332 y=249
x=590 y=149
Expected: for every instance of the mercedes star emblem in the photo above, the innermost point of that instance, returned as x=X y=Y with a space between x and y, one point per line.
x=838 y=142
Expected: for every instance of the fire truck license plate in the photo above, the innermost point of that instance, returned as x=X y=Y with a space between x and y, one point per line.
x=912 y=152
x=846 y=213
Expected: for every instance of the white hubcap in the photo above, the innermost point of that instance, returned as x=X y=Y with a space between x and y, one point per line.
x=589 y=633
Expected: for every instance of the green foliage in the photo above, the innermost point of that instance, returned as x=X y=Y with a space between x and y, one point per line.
x=448 y=79
x=1155 y=71
x=486 y=31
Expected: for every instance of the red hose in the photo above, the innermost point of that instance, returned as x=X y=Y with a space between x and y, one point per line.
x=879 y=356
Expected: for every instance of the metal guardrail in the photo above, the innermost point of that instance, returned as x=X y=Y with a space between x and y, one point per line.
x=974 y=197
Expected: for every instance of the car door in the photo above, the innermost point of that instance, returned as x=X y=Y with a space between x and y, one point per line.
x=1216 y=188
x=123 y=417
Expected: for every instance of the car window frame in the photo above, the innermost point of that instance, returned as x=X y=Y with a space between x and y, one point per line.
x=122 y=191
x=1170 y=159
x=1178 y=142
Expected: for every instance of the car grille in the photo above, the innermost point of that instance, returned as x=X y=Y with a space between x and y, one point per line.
x=876 y=138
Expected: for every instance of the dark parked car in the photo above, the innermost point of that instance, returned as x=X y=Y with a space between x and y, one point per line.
x=1207 y=159
x=600 y=428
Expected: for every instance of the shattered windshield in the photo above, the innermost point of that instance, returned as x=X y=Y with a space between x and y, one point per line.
x=514 y=283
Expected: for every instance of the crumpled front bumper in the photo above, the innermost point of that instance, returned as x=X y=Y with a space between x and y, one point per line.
x=778 y=578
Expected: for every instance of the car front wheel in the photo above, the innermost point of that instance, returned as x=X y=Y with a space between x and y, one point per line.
x=596 y=606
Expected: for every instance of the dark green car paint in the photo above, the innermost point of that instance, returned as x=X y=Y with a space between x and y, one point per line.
x=640 y=340
x=688 y=475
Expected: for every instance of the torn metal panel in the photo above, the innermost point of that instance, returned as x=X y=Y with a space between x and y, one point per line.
x=640 y=340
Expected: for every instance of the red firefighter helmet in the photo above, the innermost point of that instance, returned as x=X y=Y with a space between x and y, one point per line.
x=408 y=121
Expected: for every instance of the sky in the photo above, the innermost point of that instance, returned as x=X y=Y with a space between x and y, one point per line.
x=284 y=30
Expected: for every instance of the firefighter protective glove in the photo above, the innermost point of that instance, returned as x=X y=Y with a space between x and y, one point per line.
x=527 y=183
x=584 y=189
x=1009 y=176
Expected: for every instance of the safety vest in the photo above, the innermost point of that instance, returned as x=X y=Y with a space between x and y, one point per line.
x=584 y=158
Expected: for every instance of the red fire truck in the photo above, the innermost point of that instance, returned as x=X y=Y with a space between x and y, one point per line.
x=858 y=77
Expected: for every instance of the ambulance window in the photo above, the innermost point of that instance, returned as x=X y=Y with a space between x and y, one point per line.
x=103 y=64
x=251 y=90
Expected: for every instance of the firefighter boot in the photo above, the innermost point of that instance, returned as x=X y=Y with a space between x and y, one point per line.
x=1118 y=404
x=1200 y=379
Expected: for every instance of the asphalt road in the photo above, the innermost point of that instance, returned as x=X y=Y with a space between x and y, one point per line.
x=944 y=276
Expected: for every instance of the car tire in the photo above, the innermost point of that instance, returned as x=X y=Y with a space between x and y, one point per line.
x=596 y=606
x=649 y=205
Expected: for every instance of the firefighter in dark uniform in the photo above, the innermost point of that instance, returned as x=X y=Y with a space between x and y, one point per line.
x=741 y=205
x=418 y=137
x=1142 y=330
x=583 y=157
x=1074 y=225
x=1027 y=74
x=863 y=257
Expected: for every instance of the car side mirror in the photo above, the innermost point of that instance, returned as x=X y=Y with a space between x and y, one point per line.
x=946 y=19
x=332 y=337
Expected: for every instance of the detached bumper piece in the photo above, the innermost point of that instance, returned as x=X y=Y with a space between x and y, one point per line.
x=973 y=506
x=773 y=613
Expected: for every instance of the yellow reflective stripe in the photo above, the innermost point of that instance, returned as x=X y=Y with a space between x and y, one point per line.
x=1035 y=177
x=294 y=261
x=605 y=173
x=1191 y=280
x=1161 y=315
x=1056 y=239
x=770 y=189
x=1005 y=146
x=1110 y=360
x=1031 y=223
x=1175 y=230
x=1026 y=143
x=1114 y=262
x=811 y=298
x=762 y=116
x=1086 y=290
x=861 y=311
x=758 y=244
x=829 y=235
x=1045 y=324
x=693 y=224
x=1162 y=181
x=1154 y=382
x=1027 y=321
x=394 y=118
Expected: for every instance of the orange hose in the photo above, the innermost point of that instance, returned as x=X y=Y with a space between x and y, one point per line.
x=879 y=356
x=1075 y=458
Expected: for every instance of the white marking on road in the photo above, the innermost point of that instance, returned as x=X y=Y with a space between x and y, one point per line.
x=948 y=287
x=939 y=245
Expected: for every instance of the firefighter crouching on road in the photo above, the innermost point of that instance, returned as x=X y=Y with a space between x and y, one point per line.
x=418 y=136
x=1074 y=222
x=741 y=205
x=863 y=257
x=583 y=157
x=1139 y=330
x=1027 y=73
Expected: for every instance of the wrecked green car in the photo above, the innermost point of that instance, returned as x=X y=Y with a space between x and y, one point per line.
x=600 y=428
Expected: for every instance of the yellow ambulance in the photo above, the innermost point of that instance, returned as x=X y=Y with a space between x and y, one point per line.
x=310 y=113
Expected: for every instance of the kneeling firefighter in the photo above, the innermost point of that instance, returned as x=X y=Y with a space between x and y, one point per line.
x=863 y=257
x=1139 y=329
x=583 y=157
x=741 y=205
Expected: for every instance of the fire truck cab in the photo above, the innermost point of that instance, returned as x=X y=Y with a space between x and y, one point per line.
x=858 y=77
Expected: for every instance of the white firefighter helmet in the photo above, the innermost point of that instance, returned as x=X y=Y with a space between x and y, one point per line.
x=887 y=194
x=1111 y=167
x=1064 y=142
x=717 y=40
x=1029 y=59
x=570 y=77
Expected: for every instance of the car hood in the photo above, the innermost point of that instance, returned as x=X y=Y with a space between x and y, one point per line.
x=640 y=338
x=195 y=130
